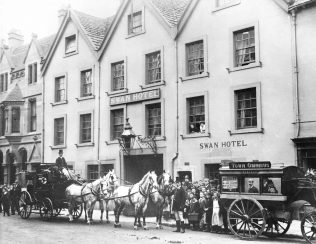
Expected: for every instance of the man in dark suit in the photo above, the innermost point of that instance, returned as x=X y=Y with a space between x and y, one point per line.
x=62 y=165
x=252 y=188
x=178 y=206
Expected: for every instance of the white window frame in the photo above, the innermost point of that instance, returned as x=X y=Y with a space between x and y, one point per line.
x=67 y=54
x=92 y=96
x=54 y=103
x=124 y=90
x=64 y=116
x=145 y=120
x=218 y=7
x=259 y=128
x=162 y=69
x=232 y=31
x=205 y=73
x=85 y=144
x=142 y=10
x=185 y=133
x=124 y=107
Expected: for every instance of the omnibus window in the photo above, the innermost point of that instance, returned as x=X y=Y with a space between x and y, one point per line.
x=271 y=185
x=252 y=185
x=230 y=184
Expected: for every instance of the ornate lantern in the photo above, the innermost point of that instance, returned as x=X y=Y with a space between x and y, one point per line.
x=128 y=136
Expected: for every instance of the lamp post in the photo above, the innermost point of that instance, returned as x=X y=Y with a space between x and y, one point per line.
x=128 y=136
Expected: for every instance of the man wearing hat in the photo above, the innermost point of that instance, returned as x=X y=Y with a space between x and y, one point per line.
x=178 y=206
x=61 y=164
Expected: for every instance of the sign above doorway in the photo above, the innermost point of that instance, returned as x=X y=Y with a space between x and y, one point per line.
x=135 y=97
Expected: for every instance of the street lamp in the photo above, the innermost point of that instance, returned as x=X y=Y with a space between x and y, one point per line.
x=128 y=136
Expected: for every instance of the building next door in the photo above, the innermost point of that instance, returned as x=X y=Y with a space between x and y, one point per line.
x=136 y=166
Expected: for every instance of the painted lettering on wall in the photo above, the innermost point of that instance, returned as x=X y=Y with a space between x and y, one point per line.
x=223 y=144
x=135 y=97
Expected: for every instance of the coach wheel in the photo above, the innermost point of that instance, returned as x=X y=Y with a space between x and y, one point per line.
x=46 y=209
x=308 y=227
x=276 y=227
x=77 y=211
x=57 y=211
x=246 y=218
x=25 y=205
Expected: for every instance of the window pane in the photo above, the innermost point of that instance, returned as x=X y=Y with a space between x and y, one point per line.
x=244 y=42
x=196 y=110
x=71 y=44
x=246 y=114
x=135 y=24
x=60 y=91
x=154 y=119
x=85 y=128
x=195 y=58
x=117 y=123
x=16 y=120
x=118 y=76
x=86 y=83
x=153 y=68
x=59 y=131
x=33 y=116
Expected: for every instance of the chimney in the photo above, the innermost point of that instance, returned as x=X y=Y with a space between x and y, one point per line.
x=61 y=15
x=15 y=39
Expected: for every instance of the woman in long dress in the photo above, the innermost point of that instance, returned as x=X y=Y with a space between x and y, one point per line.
x=217 y=219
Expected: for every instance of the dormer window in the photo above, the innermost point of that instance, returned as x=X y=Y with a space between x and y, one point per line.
x=135 y=23
x=32 y=73
x=71 y=44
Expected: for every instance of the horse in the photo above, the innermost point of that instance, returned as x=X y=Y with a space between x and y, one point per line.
x=136 y=195
x=161 y=196
x=88 y=194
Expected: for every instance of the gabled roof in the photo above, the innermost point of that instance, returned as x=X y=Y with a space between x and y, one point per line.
x=15 y=95
x=95 y=28
x=172 y=13
x=299 y=3
x=17 y=56
x=171 y=10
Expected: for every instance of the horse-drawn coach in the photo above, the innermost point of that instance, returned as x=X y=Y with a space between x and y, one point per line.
x=264 y=200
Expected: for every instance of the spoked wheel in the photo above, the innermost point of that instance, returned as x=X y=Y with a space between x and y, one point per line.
x=308 y=227
x=57 y=211
x=46 y=209
x=246 y=218
x=77 y=211
x=276 y=227
x=25 y=205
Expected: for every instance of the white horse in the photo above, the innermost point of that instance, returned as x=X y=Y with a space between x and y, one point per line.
x=88 y=194
x=136 y=195
x=161 y=196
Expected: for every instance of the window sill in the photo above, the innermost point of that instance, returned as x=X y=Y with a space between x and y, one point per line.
x=32 y=83
x=196 y=135
x=226 y=6
x=161 y=83
x=59 y=103
x=58 y=147
x=113 y=93
x=113 y=142
x=86 y=144
x=135 y=34
x=246 y=131
x=33 y=133
x=192 y=77
x=71 y=54
x=249 y=66
x=85 y=98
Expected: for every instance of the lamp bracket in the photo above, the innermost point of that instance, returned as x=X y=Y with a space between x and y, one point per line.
x=149 y=141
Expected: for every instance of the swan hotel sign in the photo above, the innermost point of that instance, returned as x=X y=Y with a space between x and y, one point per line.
x=135 y=97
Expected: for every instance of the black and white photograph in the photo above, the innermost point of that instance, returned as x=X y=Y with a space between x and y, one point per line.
x=157 y=121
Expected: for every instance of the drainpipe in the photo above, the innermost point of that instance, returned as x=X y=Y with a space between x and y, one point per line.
x=177 y=114
x=295 y=73
x=43 y=121
x=98 y=119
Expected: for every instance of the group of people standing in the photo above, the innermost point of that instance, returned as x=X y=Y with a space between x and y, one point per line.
x=199 y=206
x=9 y=199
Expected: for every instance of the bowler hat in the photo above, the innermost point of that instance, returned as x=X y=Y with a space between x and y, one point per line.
x=60 y=151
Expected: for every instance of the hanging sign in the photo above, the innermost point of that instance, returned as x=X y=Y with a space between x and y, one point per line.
x=135 y=97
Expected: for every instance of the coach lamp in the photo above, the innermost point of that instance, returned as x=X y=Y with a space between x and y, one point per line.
x=128 y=137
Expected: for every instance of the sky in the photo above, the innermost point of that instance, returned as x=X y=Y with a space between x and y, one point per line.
x=40 y=16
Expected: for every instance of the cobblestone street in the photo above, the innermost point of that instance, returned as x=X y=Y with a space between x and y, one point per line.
x=13 y=229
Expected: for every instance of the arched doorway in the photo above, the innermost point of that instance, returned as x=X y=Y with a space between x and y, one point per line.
x=23 y=158
x=1 y=169
x=12 y=168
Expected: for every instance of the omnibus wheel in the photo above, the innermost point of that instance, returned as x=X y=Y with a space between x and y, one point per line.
x=25 y=205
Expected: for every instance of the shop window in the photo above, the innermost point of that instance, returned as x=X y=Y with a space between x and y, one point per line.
x=86 y=83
